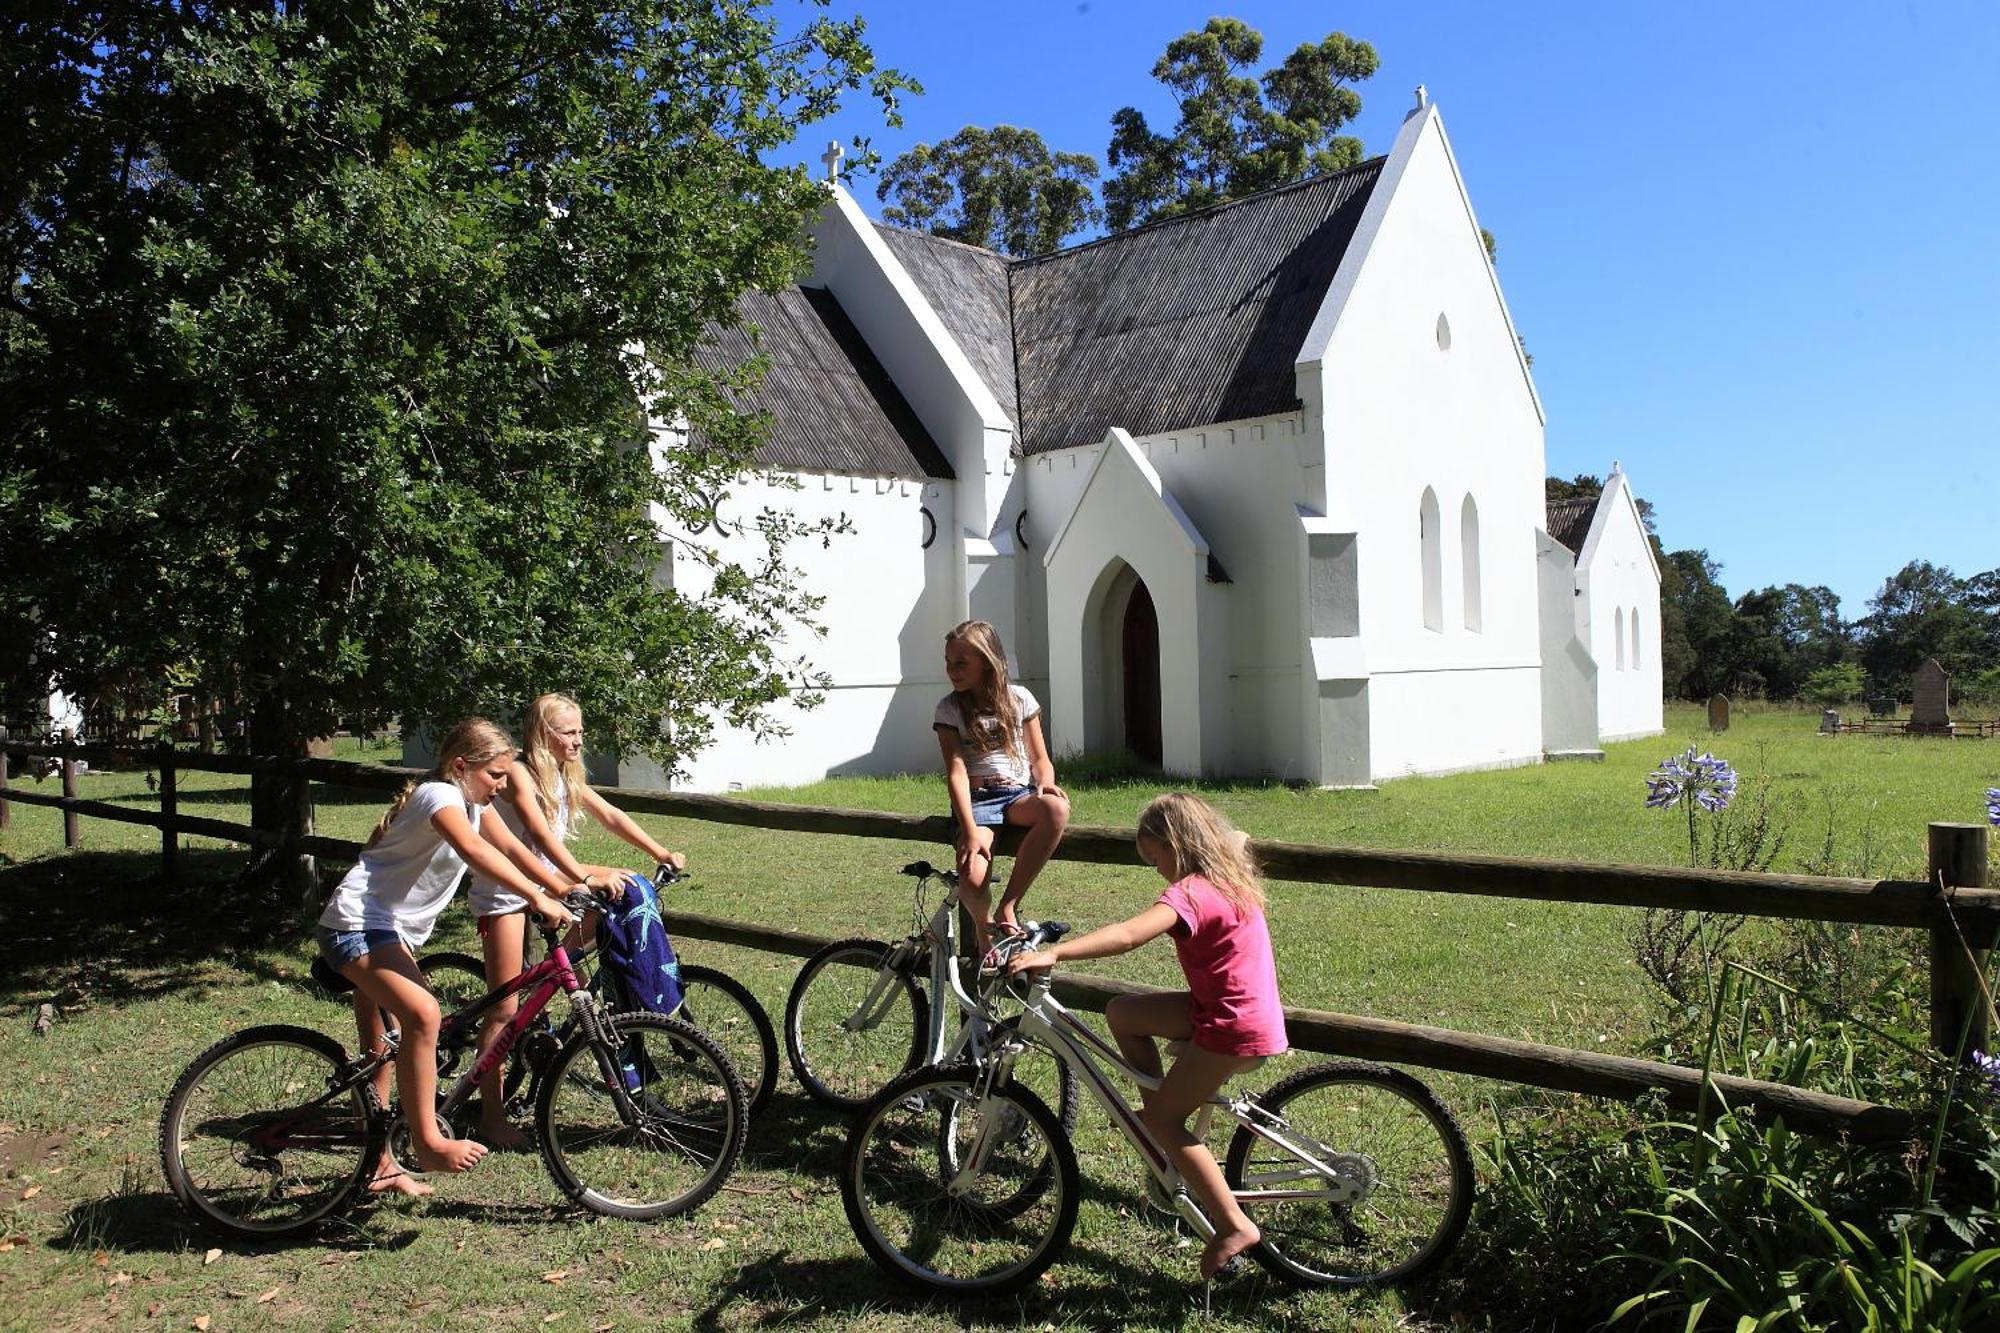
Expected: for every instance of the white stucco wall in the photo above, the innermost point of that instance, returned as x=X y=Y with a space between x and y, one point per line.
x=1414 y=375
x=1618 y=586
x=888 y=604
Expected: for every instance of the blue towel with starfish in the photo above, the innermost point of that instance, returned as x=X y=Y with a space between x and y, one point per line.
x=639 y=963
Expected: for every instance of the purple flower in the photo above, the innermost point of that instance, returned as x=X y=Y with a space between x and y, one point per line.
x=1989 y=1073
x=1699 y=778
x=1993 y=805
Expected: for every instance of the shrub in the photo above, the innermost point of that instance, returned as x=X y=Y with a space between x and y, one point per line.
x=1831 y=686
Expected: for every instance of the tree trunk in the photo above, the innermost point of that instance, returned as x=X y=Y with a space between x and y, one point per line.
x=281 y=801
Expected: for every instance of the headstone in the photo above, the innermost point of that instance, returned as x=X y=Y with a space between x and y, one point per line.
x=320 y=747
x=1829 y=721
x=1718 y=712
x=1930 y=700
x=1882 y=707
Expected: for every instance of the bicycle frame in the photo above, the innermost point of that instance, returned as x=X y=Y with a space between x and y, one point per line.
x=940 y=938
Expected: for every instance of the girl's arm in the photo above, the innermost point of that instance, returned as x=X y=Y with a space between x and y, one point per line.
x=956 y=783
x=625 y=827
x=1104 y=942
x=525 y=793
x=1039 y=763
x=490 y=860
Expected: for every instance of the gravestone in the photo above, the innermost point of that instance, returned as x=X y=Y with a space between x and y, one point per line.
x=1881 y=708
x=1829 y=721
x=320 y=747
x=1718 y=712
x=1930 y=700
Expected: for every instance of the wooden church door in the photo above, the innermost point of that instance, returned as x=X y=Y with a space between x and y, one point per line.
x=1142 y=676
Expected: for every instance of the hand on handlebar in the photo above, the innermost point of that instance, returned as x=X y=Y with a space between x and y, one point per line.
x=553 y=914
x=1038 y=960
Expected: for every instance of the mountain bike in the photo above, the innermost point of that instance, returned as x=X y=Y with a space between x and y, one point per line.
x=275 y=1129
x=863 y=1011
x=960 y=1180
x=717 y=1003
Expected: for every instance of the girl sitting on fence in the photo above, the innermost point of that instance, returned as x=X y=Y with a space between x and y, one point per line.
x=996 y=771
x=546 y=802
x=1229 y=1017
x=388 y=904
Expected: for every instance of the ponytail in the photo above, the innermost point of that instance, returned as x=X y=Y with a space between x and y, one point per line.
x=474 y=740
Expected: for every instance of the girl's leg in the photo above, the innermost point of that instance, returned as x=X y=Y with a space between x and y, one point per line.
x=975 y=868
x=389 y=1176
x=1136 y=1019
x=389 y=978
x=1195 y=1078
x=502 y=938
x=1044 y=817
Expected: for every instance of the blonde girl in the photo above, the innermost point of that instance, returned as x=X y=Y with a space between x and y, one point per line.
x=546 y=802
x=1230 y=1016
x=996 y=771
x=388 y=904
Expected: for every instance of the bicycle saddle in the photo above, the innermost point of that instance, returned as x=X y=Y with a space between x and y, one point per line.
x=334 y=984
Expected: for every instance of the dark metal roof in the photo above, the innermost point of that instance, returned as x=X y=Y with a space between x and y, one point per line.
x=832 y=407
x=967 y=287
x=1186 y=322
x=1569 y=520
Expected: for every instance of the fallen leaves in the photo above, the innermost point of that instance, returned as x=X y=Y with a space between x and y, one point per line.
x=30 y=1192
x=714 y=1243
x=199 y=1323
x=556 y=1277
x=211 y=1257
x=266 y=1297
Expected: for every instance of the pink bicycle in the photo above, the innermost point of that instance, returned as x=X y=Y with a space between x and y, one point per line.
x=275 y=1129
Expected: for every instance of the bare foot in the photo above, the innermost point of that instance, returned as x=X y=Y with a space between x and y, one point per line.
x=392 y=1179
x=1226 y=1246
x=503 y=1137
x=450 y=1155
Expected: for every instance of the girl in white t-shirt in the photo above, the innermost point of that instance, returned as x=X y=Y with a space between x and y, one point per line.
x=546 y=801
x=997 y=771
x=387 y=905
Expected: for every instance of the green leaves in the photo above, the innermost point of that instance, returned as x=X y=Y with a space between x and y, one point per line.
x=1000 y=188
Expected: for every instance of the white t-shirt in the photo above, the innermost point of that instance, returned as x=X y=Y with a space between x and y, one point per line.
x=405 y=881
x=489 y=897
x=999 y=762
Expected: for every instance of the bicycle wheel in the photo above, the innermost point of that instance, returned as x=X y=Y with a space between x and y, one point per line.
x=931 y=1224
x=459 y=979
x=259 y=1139
x=722 y=1007
x=1054 y=1083
x=646 y=1124
x=1401 y=1162
x=843 y=1056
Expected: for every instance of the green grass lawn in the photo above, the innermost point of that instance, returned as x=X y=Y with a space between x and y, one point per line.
x=146 y=975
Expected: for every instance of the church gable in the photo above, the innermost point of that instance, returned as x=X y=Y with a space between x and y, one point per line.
x=968 y=288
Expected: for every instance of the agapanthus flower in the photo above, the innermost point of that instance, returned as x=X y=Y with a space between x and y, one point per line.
x=1987 y=1076
x=1691 y=776
x=1993 y=805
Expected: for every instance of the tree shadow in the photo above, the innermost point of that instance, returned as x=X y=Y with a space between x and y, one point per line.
x=153 y=1222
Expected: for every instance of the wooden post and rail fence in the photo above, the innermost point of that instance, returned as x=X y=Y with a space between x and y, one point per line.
x=1953 y=904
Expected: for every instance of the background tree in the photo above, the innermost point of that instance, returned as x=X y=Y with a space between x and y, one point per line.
x=321 y=372
x=1236 y=134
x=1924 y=610
x=1000 y=188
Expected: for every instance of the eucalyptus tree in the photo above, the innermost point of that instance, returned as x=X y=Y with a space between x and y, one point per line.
x=1000 y=188
x=331 y=334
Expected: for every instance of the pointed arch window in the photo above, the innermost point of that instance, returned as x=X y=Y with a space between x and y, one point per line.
x=1431 y=540
x=1468 y=554
x=1635 y=638
x=1618 y=636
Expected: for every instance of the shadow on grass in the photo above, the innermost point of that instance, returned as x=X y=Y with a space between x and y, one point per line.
x=89 y=926
x=153 y=1222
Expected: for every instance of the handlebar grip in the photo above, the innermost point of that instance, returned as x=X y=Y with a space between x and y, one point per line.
x=921 y=869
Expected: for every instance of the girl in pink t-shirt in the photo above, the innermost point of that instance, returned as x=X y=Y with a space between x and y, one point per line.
x=1230 y=1015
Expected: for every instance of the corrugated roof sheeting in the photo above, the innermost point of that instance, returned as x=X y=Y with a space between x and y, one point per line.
x=832 y=407
x=1184 y=323
x=967 y=287
x=1569 y=520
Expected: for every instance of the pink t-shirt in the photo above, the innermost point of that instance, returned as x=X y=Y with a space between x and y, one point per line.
x=1226 y=954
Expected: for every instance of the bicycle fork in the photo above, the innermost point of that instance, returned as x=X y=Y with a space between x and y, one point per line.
x=876 y=1002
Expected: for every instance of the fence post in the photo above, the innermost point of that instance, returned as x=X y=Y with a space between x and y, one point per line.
x=71 y=838
x=170 y=838
x=6 y=810
x=1958 y=861
x=304 y=869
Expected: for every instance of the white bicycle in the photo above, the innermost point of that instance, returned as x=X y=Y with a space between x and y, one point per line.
x=959 y=1179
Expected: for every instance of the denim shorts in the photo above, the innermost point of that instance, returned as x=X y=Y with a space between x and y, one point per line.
x=341 y=947
x=989 y=804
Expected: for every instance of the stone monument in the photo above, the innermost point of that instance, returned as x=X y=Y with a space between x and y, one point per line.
x=1718 y=712
x=1930 y=700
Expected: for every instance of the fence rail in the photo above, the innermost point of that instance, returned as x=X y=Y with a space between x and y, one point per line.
x=1953 y=905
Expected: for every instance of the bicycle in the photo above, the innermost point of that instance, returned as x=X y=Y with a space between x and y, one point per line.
x=717 y=1003
x=859 y=1013
x=275 y=1129
x=961 y=1180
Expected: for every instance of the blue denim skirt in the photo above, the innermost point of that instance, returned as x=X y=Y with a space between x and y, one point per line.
x=989 y=804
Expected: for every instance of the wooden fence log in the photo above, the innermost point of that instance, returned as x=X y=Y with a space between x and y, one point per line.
x=1961 y=945
x=71 y=837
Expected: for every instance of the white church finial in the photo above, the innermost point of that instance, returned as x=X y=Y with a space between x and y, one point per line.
x=1423 y=98
x=834 y=152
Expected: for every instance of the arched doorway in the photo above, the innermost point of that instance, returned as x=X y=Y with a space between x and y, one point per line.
x=1139 y=642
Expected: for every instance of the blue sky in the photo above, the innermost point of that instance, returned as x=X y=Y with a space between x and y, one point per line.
x=1754 y=248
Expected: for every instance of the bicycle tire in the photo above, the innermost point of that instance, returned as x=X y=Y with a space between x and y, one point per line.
x=845 y=1069
x=1383 y=1132
x=895 y=1186
x=457 y=979
x=724 y=1008
x=690 y=1105
x=255 y=1190
x=1033 y=1074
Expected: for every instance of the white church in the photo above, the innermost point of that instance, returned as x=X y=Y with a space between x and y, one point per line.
x=1256 y=491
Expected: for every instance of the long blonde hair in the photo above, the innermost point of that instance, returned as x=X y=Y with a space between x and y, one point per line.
x=1205 y=843
x=474 y=740
x=541 y=759
x=993 y=699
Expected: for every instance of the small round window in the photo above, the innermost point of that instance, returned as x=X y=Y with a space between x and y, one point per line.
x=1444 y=333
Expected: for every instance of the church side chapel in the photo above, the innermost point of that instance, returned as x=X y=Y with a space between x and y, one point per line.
x=1255 y=491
